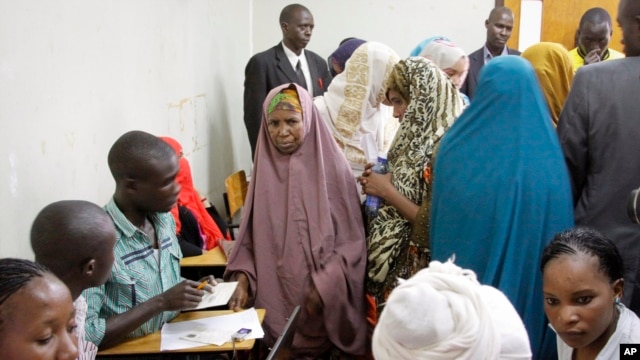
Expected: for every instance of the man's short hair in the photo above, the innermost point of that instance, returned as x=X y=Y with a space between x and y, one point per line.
x=595 y=16
x=133 y=150
x=68 y=233
x=286 y=15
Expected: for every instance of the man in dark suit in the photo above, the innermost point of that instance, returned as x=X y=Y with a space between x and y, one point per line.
x=284 y=63
x=499 y=26
x=599 y=130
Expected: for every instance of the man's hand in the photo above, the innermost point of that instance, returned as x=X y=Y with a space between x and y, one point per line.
x=592 y=57
x=210 y=283
x=241 y=294
x=183 y=296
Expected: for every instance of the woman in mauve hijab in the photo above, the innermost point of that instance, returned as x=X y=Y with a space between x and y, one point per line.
x=301 y=239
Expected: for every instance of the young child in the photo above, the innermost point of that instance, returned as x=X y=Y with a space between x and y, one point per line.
x=75 y=240
x=36 y=313
x=582 y=274
x=145 y=289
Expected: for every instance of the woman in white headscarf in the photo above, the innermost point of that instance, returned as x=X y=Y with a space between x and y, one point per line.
x=444 y=313
x=352 y=105
x=450 y=58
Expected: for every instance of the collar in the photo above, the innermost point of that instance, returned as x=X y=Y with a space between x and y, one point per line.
x=293 y=58
x=121 y=222
x=582 y=55
x=486 y=54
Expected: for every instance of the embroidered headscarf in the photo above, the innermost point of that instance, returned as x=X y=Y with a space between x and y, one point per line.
x=190 y=199
x=443 y=313
x=434 y=104
x=302 y=225
x=353 y=105
x=554 y=70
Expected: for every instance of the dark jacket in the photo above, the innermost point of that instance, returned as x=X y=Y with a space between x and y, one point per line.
x=476 y=62
x=269 y=69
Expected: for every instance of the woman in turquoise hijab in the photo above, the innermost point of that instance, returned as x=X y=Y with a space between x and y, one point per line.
x=501 y=191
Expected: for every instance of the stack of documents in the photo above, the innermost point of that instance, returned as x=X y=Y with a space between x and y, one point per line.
x=213 y=330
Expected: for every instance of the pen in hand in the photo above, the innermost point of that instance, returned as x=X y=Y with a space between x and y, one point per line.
x=202 y=285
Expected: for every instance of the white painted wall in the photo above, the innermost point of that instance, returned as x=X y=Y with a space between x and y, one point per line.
x=400 y=24
x=76 y=74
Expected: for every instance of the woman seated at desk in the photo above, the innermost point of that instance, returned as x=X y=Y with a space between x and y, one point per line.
x=301 y=240
x=198 y=228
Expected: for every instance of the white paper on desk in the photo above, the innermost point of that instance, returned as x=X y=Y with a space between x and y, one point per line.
x=205 y=336
x=219 y=296
x=172 y=333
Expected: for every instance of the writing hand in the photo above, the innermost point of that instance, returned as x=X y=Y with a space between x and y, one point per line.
x=183 y=296
x=211 y=282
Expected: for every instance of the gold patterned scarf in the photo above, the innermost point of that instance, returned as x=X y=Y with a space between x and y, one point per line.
x=434 y=105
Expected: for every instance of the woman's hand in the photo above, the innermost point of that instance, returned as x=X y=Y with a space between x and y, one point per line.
x=362 y=179
x=313 y=301
x=241 y=294
x=376 y=184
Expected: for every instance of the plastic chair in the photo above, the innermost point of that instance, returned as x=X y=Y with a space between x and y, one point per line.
x=236 y=186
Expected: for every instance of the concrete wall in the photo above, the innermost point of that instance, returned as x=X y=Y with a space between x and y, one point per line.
x=76 y=74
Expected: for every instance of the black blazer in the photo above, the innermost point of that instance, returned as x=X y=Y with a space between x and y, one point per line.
x=269 y=69
x=476 y=62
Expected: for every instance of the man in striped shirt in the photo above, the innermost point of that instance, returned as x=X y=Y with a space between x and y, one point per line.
x=144 y=289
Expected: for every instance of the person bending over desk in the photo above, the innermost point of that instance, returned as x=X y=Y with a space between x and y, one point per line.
x=144 y=289
x=75 y=240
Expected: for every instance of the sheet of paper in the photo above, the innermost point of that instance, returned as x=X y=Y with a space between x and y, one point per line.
x=203 y=336
x=220 y=295
x=172 y=334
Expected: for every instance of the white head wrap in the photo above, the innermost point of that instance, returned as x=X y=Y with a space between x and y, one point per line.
x=444 y=313
x=443 y=53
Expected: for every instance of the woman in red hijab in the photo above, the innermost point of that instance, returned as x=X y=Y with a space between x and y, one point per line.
x=190 y=206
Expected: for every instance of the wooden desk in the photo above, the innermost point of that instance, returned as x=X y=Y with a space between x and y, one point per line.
x=215 y=258
x=150 y=344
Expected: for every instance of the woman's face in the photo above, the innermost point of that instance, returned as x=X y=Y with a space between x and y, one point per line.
x=398 y=103
x=579 y=301
x=286 y=130
x=458 y=72
x=39 y=322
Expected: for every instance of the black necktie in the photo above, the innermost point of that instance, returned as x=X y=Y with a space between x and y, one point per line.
x=301 y=80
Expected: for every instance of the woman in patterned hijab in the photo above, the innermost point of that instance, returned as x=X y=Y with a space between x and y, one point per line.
x=426 y=103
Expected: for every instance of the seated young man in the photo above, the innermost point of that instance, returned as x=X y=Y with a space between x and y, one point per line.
x=75 y=240
x=145 y=289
